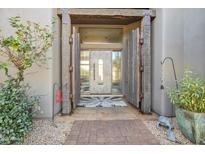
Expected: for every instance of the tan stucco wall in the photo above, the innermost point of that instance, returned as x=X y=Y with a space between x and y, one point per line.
x=194 y=39
x=167 y=41
x=178 y=33
x=56 y=74
x=40 y=79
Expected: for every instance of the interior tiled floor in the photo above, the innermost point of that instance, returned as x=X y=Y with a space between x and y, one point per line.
x=117 y=125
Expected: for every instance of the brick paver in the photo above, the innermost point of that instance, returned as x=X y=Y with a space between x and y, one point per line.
x=115 y=132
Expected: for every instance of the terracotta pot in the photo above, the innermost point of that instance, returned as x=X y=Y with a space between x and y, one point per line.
x=192 y=125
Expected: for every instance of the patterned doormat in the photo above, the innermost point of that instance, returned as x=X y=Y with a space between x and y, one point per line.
x=102 y=102
x=113 y=132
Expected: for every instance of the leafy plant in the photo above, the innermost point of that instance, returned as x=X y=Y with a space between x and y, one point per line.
x=190 y=94
x=28 y=46
x=4 y=66
x=16 y=111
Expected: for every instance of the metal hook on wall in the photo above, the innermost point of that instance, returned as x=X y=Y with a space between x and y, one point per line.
x=175 y=76
x=173 y=66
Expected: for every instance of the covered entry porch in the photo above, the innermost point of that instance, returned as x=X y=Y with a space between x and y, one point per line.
x=134 y=84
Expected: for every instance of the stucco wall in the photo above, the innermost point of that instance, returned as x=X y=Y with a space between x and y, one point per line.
x=194 y=39
x=56 y=74
x=156 y=49
x=177 y=33
x=40 y=79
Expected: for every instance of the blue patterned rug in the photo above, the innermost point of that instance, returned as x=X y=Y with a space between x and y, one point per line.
x=102 y=102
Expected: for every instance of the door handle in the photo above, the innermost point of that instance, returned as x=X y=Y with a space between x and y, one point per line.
x=94 y=71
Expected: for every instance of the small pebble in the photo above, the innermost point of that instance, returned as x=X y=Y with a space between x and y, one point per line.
x=45 y=132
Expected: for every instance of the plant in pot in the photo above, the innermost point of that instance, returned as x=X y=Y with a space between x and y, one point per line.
x=189 y=100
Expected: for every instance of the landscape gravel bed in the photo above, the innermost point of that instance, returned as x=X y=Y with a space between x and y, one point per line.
x=160 y=133
x=45 y=132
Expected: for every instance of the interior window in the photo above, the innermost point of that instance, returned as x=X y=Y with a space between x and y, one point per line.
x=116 y=71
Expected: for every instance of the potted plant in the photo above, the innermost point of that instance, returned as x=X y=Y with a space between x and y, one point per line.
x=189 y=99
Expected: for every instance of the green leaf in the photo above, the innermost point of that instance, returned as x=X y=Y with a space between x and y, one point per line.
x=190 y=94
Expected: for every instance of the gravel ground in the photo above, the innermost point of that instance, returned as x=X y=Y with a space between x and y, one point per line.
x=46 y=132
x=161 y=133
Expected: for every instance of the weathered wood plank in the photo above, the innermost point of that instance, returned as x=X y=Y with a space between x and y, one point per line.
x=103 y=35
x=133 y=25
x=123 y=63
x=130 y=67
x=134 y=71
x=125 y=67
x=146 y=62
x=78 y=70
x=66 y=84
x=110 y=12
x=132 y=86
x=97 y=26
x=76 y=67
x=73 y=55
x=137 y=66
x=134 y=67
x=112 y=46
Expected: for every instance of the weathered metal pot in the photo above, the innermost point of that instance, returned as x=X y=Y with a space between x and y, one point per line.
x=192 y=125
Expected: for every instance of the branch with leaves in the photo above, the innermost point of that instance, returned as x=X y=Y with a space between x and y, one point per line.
x=27 y=47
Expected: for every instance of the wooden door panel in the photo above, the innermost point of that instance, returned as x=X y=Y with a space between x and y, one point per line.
x=133 y=58
x=75 y=68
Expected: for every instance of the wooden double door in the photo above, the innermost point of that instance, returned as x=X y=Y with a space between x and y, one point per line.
x=132 y=63
x=136 y=74
x=100 y=67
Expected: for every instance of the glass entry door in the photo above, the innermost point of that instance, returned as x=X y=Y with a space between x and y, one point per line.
x=101 y=72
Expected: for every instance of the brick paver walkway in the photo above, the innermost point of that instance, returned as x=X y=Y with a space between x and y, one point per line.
x=110 y=132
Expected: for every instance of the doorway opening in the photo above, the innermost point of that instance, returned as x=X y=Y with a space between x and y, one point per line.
x=108 y=63
x=109 y=58
x=101 y=66
x=101 y=72
x=125 y=30
x=100 y=78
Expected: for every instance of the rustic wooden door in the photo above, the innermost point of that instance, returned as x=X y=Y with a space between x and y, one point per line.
x=133 y=68
x=100 y=72
x=75 y=68
x=137 y=79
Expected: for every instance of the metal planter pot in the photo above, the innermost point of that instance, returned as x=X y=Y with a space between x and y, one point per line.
x=192 y=125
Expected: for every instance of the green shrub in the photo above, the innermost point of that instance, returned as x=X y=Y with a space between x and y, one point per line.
x=190 y=94
x=16 y=112
x=28 y=46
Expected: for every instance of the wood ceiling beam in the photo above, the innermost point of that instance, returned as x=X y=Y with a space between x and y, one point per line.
x=108 y=46
x=110 y=12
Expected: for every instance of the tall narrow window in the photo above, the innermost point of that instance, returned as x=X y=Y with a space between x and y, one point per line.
x=116 y=71
x=84 y=71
